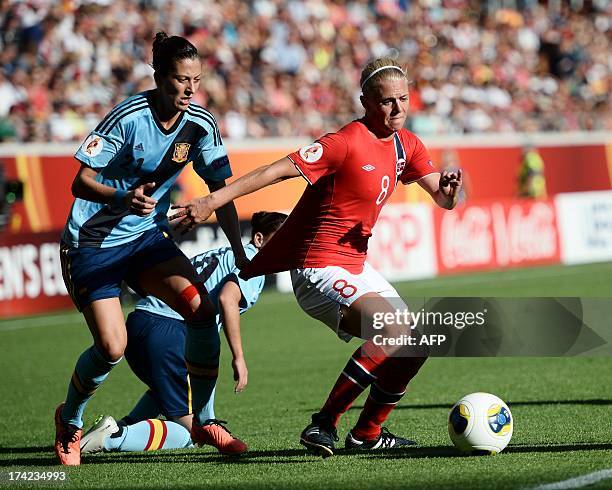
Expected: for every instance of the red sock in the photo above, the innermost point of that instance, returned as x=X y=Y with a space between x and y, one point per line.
x=356 y=377
x=394 y=375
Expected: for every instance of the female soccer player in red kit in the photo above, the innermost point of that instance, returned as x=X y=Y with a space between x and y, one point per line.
x=351 y=174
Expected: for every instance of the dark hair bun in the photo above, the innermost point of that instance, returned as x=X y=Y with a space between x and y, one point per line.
x=160 y=37
x=168 y=50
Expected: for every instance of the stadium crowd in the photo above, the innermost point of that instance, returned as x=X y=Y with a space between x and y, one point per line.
x=291 y=68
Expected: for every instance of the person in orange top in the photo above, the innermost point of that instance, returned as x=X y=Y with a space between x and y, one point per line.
x=351 y=175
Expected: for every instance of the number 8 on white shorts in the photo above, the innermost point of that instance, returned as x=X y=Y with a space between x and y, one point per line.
x=322 y=291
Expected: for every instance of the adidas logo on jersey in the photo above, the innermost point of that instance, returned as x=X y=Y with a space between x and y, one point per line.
x=139 y=147
x=369 y=167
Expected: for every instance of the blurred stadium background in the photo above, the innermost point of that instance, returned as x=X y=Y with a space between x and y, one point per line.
x=515 y=92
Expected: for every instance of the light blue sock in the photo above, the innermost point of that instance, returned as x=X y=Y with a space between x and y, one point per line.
x=146 y=408
x=208 y=412
x=149 y=435
x=90 y=371
x=202 y=349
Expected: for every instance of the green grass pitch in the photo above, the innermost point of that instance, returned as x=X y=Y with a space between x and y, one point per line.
x=562 y=406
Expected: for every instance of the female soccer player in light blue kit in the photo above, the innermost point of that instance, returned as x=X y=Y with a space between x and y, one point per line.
x=117 y=229
x=155 y=352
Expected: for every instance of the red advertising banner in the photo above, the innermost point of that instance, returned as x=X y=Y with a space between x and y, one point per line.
x=491 y=172
x=497 y=234
x=31 y=274
x=411 y=241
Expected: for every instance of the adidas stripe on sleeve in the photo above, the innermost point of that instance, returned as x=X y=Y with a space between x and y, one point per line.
x=101 y=146
x=212 y=163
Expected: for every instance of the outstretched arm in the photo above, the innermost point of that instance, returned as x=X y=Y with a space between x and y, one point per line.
x=445 y=189
x=228 y=220
x=229 y=302
x=196 y=211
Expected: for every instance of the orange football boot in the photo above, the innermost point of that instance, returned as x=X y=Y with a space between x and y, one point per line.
x=214 y=433
x=67 y=440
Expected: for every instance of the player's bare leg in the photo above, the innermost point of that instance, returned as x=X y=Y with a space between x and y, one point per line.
x=169 y=279
x=107 y=326
x=105 y=321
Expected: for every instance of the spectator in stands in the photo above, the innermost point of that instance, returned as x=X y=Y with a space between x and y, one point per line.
x=475 y=68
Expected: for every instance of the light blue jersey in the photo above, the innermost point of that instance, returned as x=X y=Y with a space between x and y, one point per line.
x=129 y=148
x=215 y=268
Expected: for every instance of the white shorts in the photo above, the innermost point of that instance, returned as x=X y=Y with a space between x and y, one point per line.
x=321 y=292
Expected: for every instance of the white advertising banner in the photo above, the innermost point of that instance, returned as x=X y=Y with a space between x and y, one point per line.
x=402 y=246
x=585 y=226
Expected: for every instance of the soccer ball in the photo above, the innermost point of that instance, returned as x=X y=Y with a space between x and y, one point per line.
x=480 y=423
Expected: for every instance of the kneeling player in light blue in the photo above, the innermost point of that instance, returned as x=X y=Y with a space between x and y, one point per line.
x=156 y=354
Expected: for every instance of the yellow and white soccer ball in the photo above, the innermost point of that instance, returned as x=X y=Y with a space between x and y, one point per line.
x=480 y=423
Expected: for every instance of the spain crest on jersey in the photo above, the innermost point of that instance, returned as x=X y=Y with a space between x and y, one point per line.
x=181 y=151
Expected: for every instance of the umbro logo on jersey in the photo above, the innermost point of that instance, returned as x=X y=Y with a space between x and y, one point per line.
x=139 y=147
x=369 y=167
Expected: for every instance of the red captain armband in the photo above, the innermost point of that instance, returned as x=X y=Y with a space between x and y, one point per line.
x=186 y=296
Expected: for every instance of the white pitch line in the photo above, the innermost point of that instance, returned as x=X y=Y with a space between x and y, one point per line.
x=578 y=482
x=20 y=324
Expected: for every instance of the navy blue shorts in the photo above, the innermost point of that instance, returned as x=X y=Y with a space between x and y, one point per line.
x=156 y=353
x=91 y=273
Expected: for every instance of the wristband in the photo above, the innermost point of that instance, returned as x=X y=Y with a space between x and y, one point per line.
x=119 y=197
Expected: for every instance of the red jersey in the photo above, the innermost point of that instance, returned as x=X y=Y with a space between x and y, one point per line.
x=351 y=175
